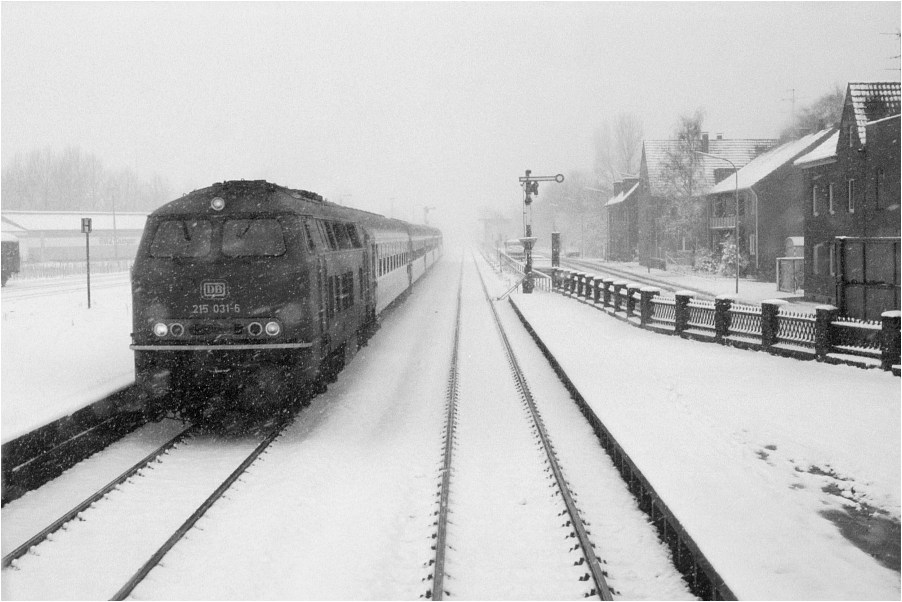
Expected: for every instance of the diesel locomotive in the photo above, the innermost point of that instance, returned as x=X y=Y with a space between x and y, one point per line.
x=247 y=294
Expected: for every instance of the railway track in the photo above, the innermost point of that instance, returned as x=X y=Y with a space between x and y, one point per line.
x=106 y=530
x=574 y=521
x=26 y=289
x=599 y=268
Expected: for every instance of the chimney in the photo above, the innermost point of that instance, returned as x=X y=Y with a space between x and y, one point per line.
x=720 y=135
x=704 y=142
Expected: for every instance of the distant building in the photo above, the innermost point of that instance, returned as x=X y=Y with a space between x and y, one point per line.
x=56 y=236
x=852 y=193
x=622 y=215
x=770 y=204
x=656 y=187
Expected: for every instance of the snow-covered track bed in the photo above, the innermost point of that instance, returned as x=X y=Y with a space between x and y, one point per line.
x=105 y=546
x=509 y=525
x=33 y=459
x=32 y=289
x=87 y=502
x=603 y=268
x=699 y=574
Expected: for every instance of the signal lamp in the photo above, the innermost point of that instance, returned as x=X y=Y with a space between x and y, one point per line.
x=273 y=328
x=160 y=329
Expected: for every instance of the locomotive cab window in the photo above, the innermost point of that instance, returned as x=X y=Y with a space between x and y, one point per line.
x=181 y=239
x=341 y=235
x=252 y=238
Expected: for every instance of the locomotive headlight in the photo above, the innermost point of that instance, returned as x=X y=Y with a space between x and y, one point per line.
x=218 y=204
x=273 y=328
x=160 y=329
x=176 y=329
x=255 y=329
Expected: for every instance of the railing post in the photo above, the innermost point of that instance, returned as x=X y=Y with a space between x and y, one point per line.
x=596 y=290
x=890 y=339
x=606 y=291
x=566 y=281
x=824 y=315
x=581 y=284
x=646 y=306
x=619 y=289
x=722 y=304
x=590 y=286
x=554 y=279
x=681 y=310
x=770 y=322
x=631 y=290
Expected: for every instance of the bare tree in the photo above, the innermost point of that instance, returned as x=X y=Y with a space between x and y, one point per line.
x=824 y=112
x=680 y=217
x=618 y=148
x=74 y=180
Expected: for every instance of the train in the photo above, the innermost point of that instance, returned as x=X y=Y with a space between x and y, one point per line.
x=11 y=260
x=248 y=295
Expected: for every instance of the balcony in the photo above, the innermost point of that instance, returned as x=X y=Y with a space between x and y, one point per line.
x=722 y=223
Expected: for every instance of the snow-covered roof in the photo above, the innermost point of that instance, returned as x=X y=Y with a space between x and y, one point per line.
x=872 y=101
x=825 y=152
x=622 y=196
x=767 y=163
x=739 y=151
x=71 y=220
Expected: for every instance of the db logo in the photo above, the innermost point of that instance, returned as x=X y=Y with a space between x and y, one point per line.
x=213 y=290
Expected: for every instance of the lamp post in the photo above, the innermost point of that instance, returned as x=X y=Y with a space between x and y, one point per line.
x=736 y=222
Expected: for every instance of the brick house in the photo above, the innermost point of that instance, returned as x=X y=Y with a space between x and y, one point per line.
x=622 y=220
x=770 y=205
x=655 y=188
x=851 y=188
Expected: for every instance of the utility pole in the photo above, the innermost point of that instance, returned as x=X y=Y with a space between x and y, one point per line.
x=530 y=186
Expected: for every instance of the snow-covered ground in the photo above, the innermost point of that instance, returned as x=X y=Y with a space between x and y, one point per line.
x=58 y=355
x=759 y=456
x=764 y=460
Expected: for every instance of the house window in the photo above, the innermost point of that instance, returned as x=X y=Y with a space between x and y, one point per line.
x=851 y=139
x=833 y=260
x=830 y=198
x=816 y=263
x=753 y=244
x=814 y=200
x=851 y=195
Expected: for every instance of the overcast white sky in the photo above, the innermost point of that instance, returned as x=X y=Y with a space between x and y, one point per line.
x=438 y=104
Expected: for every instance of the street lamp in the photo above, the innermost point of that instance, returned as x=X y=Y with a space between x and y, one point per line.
x=736 y=223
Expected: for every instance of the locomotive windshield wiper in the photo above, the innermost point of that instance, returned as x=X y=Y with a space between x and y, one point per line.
x=185 y=232
x=246 y=228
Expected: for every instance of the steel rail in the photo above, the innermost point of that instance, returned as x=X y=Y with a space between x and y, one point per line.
x=155 y=559
x=637 y=278
x=438 y=573
x=601 y=587
x=39 y=537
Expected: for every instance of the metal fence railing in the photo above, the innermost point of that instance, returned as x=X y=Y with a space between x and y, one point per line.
x=770 y=326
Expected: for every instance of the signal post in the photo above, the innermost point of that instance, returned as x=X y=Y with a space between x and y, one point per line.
x=530 y=186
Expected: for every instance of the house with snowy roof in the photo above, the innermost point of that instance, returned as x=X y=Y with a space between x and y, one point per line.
x=852 y=216
x=660 y=182
x=622 y=219
x=770 y=207
x=56 y=236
